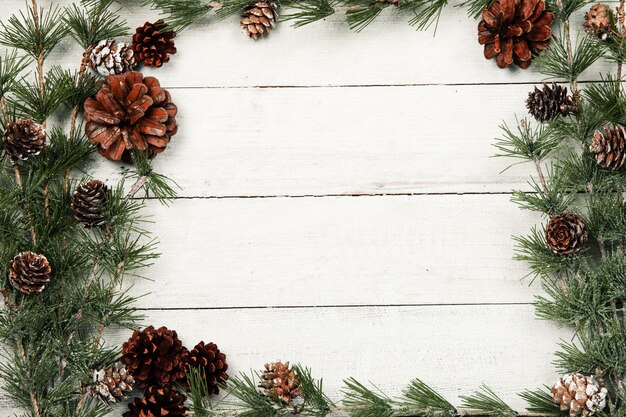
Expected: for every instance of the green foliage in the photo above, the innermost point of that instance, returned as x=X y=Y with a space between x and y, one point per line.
x=89 y=25
x=365 y=402
x=540 y=402
x=419 y=398
x=556 y=62
x=178 y=14
x=36 y=33
x=309 y=11
x=488 y=402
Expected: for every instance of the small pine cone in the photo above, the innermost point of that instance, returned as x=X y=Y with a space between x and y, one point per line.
x=29 y=272
x=111 y=57
x=549 y=102
x=581 y=395
x=280 y=383
x=112 y=385
x=258 y=18
x=153 y=44
x=598 y=21
x=88 y=202
x=213 y=362
x=608 y=148
x=154 y=356
x=158 y=402
x=566 y=233
x=24 y=138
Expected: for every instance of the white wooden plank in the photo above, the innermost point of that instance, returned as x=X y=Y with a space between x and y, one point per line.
x=216 y=53
x=455 y=349
x=337 y=251
x=304 y=141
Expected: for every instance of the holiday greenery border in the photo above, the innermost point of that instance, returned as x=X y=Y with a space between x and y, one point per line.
x=54 y=340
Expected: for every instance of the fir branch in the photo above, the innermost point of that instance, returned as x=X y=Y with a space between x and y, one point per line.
x=37 y=32
x=179 y=14
x=309 y=11
x=365 y=402
x=97 y=22
x=488 y=402
x=560 y=60
x=420 y=399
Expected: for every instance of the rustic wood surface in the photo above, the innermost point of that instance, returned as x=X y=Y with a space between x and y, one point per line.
x=339 y=205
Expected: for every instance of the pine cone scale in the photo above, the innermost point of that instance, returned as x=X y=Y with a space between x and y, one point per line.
x=609 y=148
x=24 y=138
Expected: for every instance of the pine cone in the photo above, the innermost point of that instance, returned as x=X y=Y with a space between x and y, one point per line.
x=608 y=148
x=154 y=356
x=512 y=30
x=258 y=18
x=153 y=44
x=598 y=21
x=24 y=138
x=29 y=272
x=566 y=233
x=581 y=395
x=88 y=201
x=112 y=385
x=158 y=402
x=213 y=363
x=130 y=112
x=112 y=57
x=280 y=383
x=549 y=102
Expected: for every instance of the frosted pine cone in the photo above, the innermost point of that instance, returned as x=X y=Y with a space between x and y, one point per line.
x=88 y=203
x=609 y=148
x=258 y=18
x=24 y=138
x=29 y=272
x=111 y=57
x=549 y=102
x=280 y=383
x=598 y=21
x=112 y=385
x=581 y=395
x=566 y=233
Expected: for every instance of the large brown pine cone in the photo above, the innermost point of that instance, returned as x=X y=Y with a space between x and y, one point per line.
x=512 y=30
x=280 y=382
x=566 y=233
x=112 y=385
x=154 y=356
x=153 y=44
x=549 y=102
x=598 y=21
x=213 y=362
x=609 y=148
x=130 y=112
x=88 y=202
x=158 y=402
x=258 y=18
x=29 y=272
x=23 y=138
x=111 y=57
x=581 y=395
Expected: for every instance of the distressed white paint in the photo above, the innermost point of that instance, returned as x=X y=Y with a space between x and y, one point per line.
x=386 y=111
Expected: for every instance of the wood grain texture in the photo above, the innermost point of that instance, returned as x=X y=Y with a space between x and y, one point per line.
x=321 y=141
x=220 y=253
x=454 y=348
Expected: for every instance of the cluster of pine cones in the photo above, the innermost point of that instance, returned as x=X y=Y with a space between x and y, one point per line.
x=156 y=360
x=566 y=233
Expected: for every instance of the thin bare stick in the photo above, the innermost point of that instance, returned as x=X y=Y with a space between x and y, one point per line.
x=31 y=394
